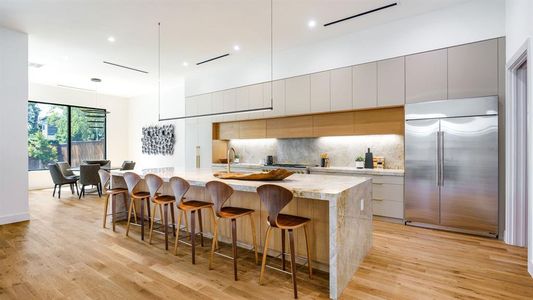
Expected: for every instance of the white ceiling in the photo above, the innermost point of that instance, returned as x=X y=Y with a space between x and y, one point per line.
x=69 y=37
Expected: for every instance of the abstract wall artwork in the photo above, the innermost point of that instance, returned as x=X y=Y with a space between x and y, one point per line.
x=158 y=140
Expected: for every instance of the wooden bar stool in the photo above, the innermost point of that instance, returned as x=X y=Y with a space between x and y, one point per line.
x=154 y=183
x=180 y=187
x=275 y=198
x=220 y=193
x=111 y=193
x=132 y=180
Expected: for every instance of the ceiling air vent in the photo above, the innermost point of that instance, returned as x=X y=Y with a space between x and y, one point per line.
x=125 y=67
x=75 y=88
x=361 y=14
x=212 y=59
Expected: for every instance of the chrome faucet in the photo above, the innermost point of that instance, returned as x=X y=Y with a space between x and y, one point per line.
x=228 y=157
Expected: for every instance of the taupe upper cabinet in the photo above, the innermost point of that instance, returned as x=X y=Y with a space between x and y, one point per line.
x=391 y=82
x=341 y=89
x=365 y=85
x=297 y=95
x=320 y=92
x=274 y=92
x=426 y=76
x=473 y=70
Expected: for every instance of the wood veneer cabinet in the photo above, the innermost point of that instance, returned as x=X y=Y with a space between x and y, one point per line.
x=333 y=124
x=379 y=121
x=290 y=127
x=254 y=129
x=228 y=130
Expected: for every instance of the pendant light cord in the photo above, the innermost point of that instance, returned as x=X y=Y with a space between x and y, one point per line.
x=159 y=70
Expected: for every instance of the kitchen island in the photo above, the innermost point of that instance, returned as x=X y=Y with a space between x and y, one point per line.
x=340 y=209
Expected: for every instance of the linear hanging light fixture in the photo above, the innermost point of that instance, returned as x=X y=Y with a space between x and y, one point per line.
x=259 y=109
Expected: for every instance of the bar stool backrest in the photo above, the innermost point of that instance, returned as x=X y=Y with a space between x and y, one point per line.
x=274 y=198
x=179 y=186
x=132 y=180
x=153 y=182
x=220 y=193
x=104 y=178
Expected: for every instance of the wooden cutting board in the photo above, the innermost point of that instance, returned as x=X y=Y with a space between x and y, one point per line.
x=272 y=175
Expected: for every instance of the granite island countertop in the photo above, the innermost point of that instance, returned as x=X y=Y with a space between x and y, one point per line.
x=311 y=186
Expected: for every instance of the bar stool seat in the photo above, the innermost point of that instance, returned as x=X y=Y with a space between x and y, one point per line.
x=140 y=195
x=116 y=191
x=230 y=212
x=194 y=204
x=165 y=199
x=290 y=221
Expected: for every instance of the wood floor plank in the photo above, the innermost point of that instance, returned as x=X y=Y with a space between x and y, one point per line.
x=63 y=253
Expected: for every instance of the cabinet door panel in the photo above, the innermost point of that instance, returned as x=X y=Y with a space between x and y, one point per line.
x=341 y=89
x=426 y=76
x=228 y=130
x=391 y=82
x=274 y=94
x=333 y=124
x=256 y=100
x=229 y=104
x=320 y=92
x=297 y=95
x=290 y=127
x=253 y=129
x=365 y=85
x=473 y=70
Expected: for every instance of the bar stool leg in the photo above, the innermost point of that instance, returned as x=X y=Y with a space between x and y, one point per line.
x=193 y=240
x=106 y=204
x=187 y=226
x=152 y=223
x=267 y=238
x=213 y=243
x=293 y=263
x=213 y=218
x=165 y=209
x=308 y=252
x=201 y=227
x=252 y=223
x=283 y=249
x=234 y=246
x=113 y=210
x=173 y=220
x=178 y=227
x=142 y=219
x=132 y=208
x=134 y=211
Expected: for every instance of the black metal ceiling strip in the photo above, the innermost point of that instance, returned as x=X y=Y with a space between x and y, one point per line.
x=125 y=67
x=362 y=14
x=219 y=113
x=211 y=59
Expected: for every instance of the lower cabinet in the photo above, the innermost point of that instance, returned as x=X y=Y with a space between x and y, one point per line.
x=387 y=194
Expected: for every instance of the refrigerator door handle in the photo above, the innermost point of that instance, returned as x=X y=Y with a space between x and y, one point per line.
x=441 y=169
x=437 y=160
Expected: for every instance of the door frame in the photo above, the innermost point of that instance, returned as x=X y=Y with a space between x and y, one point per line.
x=519 y=188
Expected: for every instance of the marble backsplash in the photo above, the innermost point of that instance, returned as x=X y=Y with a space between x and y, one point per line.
x=342 y=150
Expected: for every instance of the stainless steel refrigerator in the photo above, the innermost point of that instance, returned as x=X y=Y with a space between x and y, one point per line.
x=451 y=165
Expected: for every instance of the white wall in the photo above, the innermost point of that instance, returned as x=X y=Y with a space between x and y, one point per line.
x=468 y=22
x=13 y=126
x=143 y=111
x=117 y=123
x=519 y=31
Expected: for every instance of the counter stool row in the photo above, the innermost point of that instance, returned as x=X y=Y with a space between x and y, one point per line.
x=273 y=197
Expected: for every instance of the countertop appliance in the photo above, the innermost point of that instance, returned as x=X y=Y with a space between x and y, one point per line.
x=296 y=168
x=451 y=165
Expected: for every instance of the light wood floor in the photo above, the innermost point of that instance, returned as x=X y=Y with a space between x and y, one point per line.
x=64 y=253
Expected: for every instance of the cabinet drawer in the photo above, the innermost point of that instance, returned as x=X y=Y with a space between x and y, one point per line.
x=386 y=208
x=387 y=179
x=391 y=192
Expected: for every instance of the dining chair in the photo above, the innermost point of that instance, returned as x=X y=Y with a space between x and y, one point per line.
x=127 y=165
x=59 y=179
x=89 y=176
x=67 y=172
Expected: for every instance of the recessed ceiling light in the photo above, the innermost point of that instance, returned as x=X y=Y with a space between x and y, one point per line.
x=185 y=64
x=311 y=23
x=236 y=48
x=96 y=80
x=35 y=65
x=111 y=39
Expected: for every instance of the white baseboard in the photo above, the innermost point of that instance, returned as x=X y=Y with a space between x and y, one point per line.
x=14 y=218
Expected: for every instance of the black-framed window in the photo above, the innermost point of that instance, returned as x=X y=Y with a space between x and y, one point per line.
x=58 y=132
